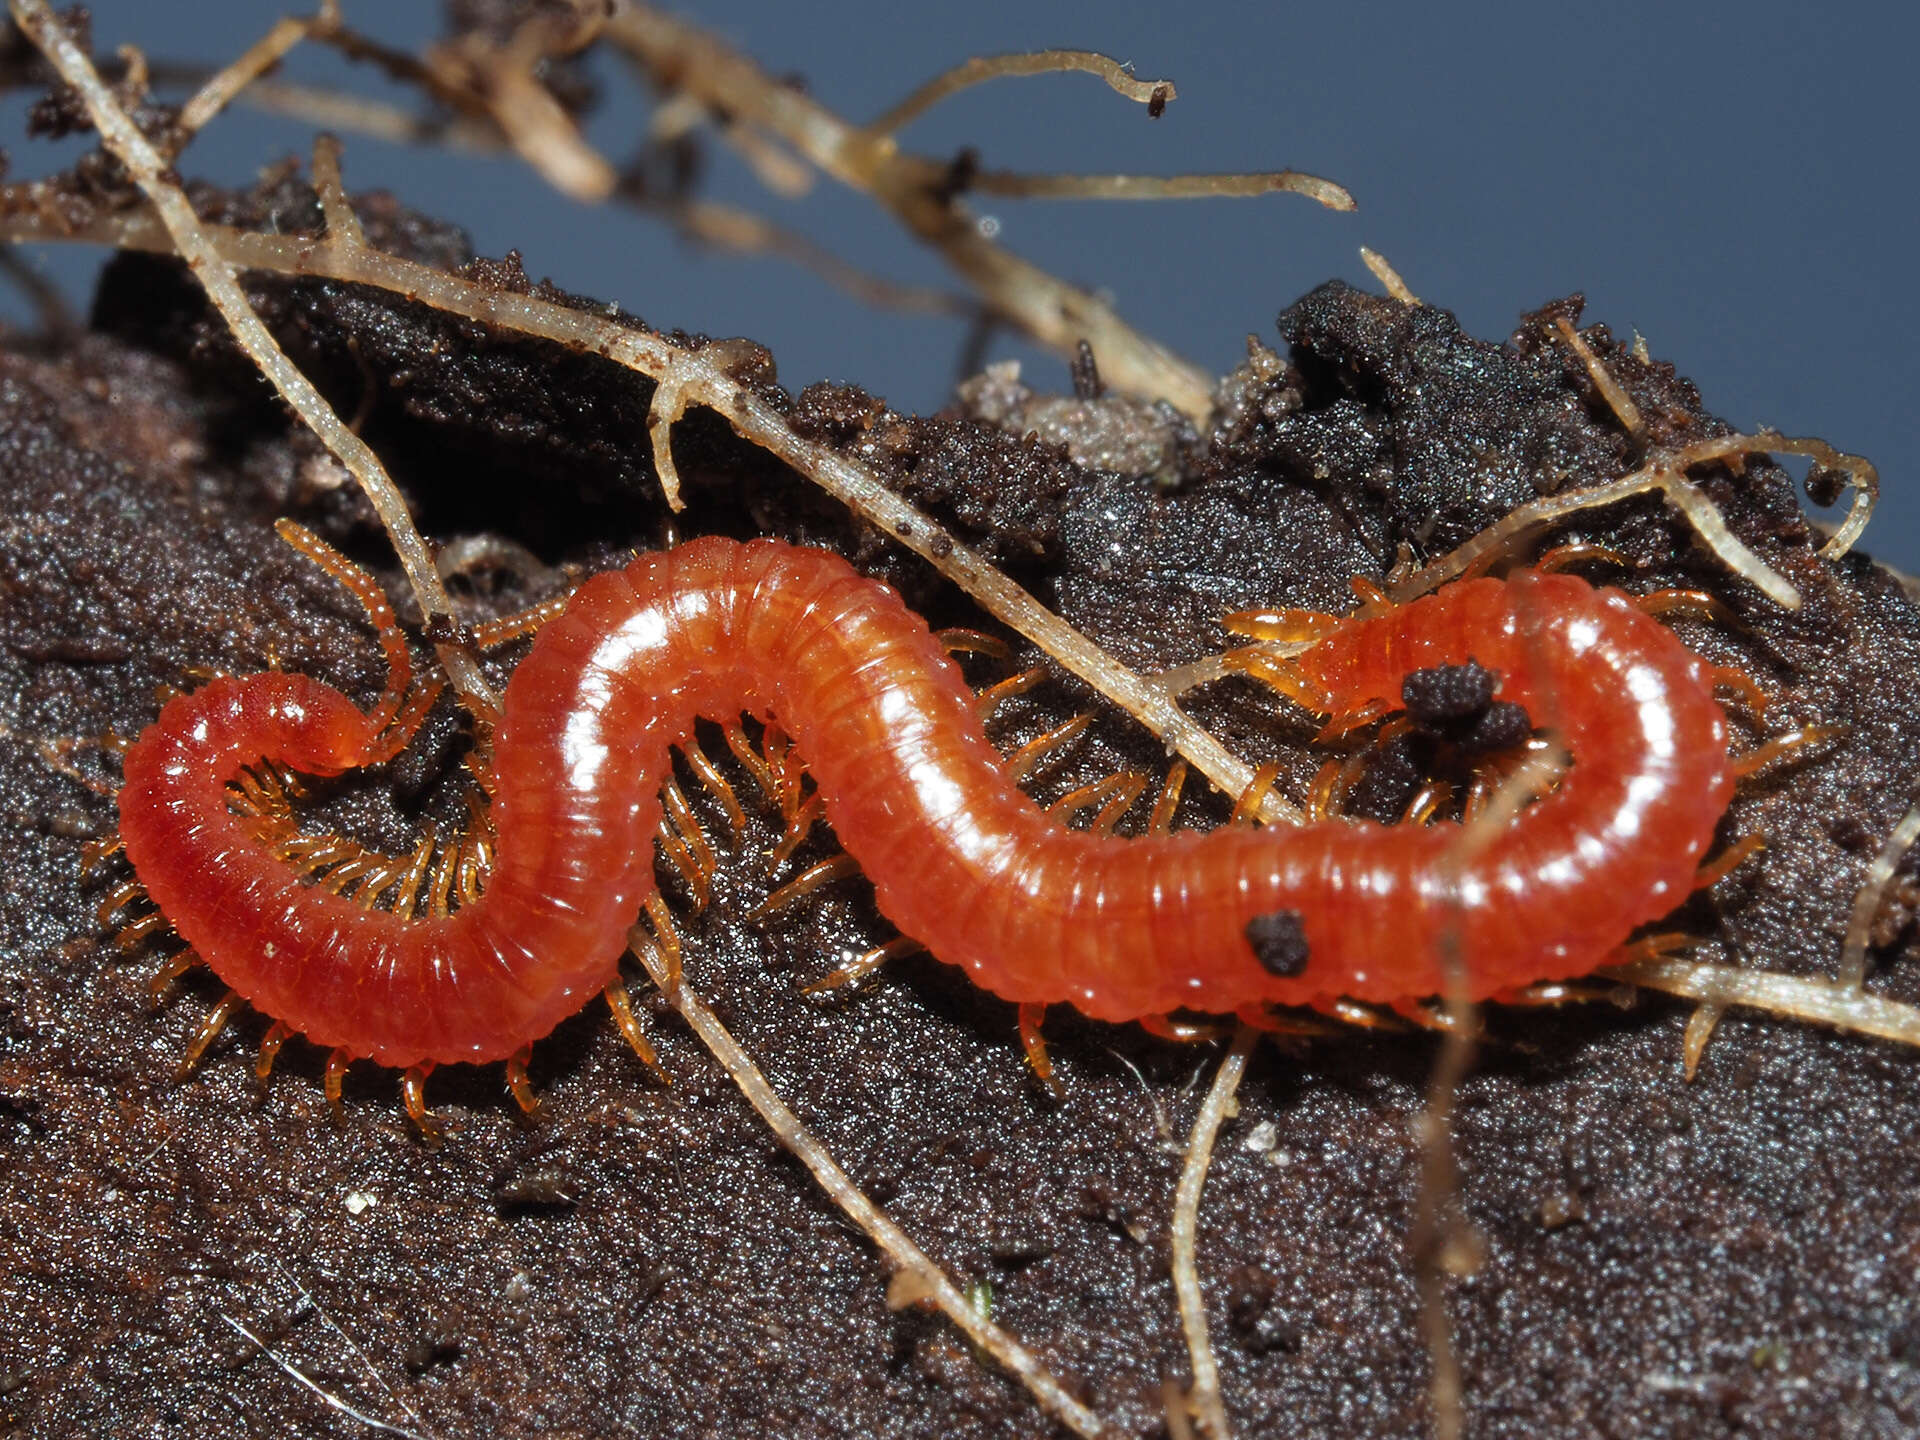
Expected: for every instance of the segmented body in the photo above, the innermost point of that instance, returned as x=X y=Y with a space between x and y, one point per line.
x=960 y=858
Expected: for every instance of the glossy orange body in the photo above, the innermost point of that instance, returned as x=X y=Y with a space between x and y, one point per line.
x=959 y=857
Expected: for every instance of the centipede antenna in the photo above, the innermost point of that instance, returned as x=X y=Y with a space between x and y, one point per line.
x=1729 y=860
x=1792 y=742
x=1032 y=1016
x=334 y=1081
x=413 y=1093
x=1247 y=808
x=630 y=1031
x=995 y=695
x=958 y=640
x=364 y=588
x=223 y=1011
x=1030 y=756
x=521 y=1087
x=840 y=867
x=858 y=969
x=716 y=784
x=277 y=1035
x=171 y=969
x=1168 y=800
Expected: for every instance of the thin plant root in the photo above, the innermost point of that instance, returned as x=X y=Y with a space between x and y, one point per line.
x=1204 y=1398
x=1866 y=904
x=925 y=1280
x=1819 y=1002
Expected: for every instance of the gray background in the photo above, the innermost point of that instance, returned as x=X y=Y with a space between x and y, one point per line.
x=1736 y=183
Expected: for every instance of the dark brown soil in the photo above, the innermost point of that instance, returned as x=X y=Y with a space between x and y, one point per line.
x=1736 y=1255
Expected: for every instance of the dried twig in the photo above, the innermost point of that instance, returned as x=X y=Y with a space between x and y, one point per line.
x=916 y=1277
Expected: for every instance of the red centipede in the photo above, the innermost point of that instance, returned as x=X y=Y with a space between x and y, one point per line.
x=961 y=859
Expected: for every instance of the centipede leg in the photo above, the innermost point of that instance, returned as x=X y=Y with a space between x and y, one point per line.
x=840 y=867
x=1579 y=552
x=1030 y=756
x=1756 y=760
x=1729 y=860
x=854 y=971
x=334 y=1081
x=1032 y=1016
x=1183 y=1032
x=630 y=1031
x=1271 y=1021
x=209 y=1031
x=1168 y=800
x=130 y=936
x=117 y=899
x=1730 y=677
x=413 y=1092
x=1360 y=1017
x=95 y=853
x=958 y=640
x=520 y=1086
x=171 y=969
x=716 y=784
x=1686 y=605
x=1246 y=809
x=277 y=1035
x=1426 y=1017
x=1693 y=1041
